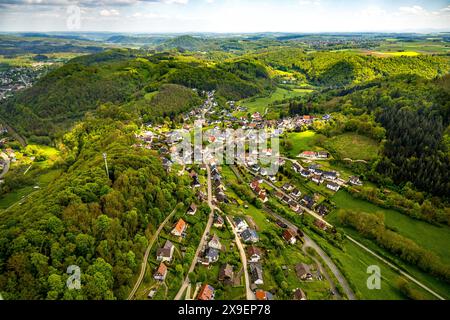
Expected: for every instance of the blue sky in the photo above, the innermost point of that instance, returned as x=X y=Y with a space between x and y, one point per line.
x=225 y=15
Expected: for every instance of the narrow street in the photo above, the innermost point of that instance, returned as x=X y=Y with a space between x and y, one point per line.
x=249 y=293
x=203 y=239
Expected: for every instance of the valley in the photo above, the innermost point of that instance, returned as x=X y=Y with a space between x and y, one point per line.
x=95 y=172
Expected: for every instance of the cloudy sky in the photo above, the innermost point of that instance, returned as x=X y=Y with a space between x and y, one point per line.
x=225 y=15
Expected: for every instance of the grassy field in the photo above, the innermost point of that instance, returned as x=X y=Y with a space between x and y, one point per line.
x=42 y=181
x=426 y=47
x=353 y=263
x=301 y=141
x=431 y=237
x=353 y=146
x=260 y=104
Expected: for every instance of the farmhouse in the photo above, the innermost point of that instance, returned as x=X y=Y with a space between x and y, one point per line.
x=254 y=254
x=333 y=186
x=179 y=228
x=161 y=272
x=192 y=209
x=308 y=154
x=303 y=271
x=166 y=252
x=256 y=273
x=289 y=236
x=206 y=292
x=226 y=274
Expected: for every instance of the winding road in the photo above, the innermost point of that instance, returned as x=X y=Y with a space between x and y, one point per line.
x=147 y=253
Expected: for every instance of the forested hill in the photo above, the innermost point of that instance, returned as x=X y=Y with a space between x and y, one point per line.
x=63 y=96
x=337 y=69
x=415 y=112
x=88 y=219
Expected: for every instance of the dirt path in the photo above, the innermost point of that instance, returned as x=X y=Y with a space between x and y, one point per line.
x=147 y=253
x=203 y=239
x=249 y=293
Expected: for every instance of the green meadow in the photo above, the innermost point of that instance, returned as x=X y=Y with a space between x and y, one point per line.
x=353 y=146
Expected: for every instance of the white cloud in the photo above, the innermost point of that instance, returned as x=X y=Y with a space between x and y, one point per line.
x=176 y=1
x=109 y=13
x=309 y=2
x=416 y=10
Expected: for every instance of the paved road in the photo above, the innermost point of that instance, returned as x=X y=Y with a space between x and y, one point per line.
x=324 y=272
x=147 y=253
x=249 y=293
x=334 y=269
x=203 y=239
x=308 y=242
x=395 y=268
x=315 y=215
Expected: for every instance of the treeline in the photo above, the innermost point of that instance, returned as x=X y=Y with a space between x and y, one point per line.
x=409 y=202
x=372 y=226
x=414 y=150
x=85 y=218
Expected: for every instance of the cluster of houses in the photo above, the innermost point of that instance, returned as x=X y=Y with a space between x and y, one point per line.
x=319 y=176
x=211 y=252
x=218 y=186
x=163 y=255
x=260 y=192
x=254 y=255
x=314 y=155
x=17 y=78
x=247 y=234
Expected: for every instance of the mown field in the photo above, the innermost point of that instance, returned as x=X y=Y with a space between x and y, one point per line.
x=353 y=146
x=301 y=141
x=431 y=237
x=260 y=104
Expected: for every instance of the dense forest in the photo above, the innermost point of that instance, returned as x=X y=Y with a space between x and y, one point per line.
x=415 y=115
x=87 y=218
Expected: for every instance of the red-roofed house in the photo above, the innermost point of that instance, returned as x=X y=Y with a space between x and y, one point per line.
x=179 y=228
